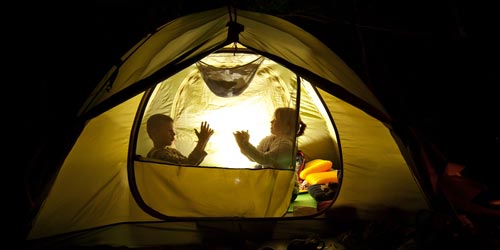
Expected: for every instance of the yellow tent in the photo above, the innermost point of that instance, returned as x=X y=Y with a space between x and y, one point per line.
x=107 y=192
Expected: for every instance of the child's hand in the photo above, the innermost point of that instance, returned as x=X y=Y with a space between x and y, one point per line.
x=241 y=137
x=205 y=132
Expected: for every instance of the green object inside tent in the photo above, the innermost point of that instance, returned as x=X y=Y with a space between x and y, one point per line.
x=302 y=200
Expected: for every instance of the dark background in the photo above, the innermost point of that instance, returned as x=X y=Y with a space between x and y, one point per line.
x=433 y=64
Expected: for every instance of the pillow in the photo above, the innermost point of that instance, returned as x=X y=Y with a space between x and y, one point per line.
x=315 y=166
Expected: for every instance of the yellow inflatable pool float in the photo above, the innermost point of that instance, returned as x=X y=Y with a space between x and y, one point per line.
x=315 y=166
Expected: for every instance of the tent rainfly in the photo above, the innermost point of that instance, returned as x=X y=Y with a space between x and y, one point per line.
x=231 y=69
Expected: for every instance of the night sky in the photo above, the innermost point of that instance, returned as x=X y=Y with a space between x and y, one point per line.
x=433 y=64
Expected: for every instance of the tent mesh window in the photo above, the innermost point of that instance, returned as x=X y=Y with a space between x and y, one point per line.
x=229 y=81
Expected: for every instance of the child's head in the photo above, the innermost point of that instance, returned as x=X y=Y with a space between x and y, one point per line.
x=285 y=121
x=160 y=129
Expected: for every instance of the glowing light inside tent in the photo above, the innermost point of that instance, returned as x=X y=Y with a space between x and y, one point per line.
x=192 y=102
x=222 y=149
